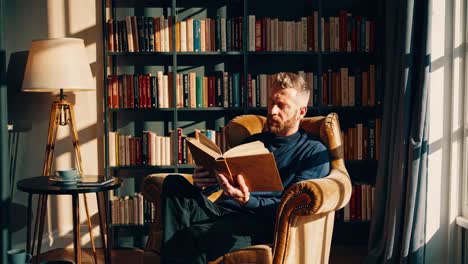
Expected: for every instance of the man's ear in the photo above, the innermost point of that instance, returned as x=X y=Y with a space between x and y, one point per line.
x=302 y=111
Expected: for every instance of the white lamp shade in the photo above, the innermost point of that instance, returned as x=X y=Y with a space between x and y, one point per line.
x=55 y=64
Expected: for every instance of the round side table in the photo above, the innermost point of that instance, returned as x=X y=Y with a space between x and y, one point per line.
x=41 y=185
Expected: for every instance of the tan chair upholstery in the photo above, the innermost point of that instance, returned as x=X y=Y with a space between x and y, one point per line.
x=305 y=216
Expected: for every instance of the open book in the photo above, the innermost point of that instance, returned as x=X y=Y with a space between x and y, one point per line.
x=251 y=160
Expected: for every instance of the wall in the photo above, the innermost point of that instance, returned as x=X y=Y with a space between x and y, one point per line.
x=29 y=112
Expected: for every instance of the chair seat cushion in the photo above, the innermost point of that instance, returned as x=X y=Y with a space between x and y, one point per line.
x=258 y=254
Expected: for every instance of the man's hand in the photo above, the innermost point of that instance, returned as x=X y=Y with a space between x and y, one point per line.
x=202 y=178
x=238 y=193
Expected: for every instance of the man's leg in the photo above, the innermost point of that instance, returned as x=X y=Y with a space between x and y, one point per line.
x=182 y=205
x=229 y=232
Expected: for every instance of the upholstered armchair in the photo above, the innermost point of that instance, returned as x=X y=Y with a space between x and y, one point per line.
x=305 y=215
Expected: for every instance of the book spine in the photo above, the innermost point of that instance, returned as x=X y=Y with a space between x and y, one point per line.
x=236 y=89
x=219 y=88
x=196 y=35
x=199 y=91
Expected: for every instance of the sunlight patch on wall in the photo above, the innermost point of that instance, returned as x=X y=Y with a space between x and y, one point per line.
x=459 y=24
x=434 y=191
x=82 y=15
x=65 y=160
x=56 y=19
x=436 y=129
x=91 y=159
x=437 y=29
x=91 y=52
x=62 y=133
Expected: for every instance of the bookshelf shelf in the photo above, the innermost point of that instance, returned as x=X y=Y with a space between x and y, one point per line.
x=148 y=167
x=130 y=226
x=205 y=53
x=137 y=3
x=139 y=53
x=296 y=53
x=203 y=109
x=141 y=109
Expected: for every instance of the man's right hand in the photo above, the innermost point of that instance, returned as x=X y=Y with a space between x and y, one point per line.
x=202 y=178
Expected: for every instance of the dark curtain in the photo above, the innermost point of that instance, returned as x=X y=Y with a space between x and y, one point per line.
x=397 y=232
x=4 y=176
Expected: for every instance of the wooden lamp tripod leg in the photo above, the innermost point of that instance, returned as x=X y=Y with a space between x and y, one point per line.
x=76 y=146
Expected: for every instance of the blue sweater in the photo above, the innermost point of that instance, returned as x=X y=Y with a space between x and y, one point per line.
x=299 y=157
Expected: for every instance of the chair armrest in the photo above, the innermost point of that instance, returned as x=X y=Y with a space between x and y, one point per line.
x=311 y=197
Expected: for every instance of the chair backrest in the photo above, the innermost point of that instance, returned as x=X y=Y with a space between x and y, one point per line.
x=327 y=127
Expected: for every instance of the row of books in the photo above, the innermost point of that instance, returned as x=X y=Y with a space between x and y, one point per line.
x=360 y=206
x=344 y=33
x=131 y=210
x=127 y=150
x=223 y=89
x=343 y=87
x=155 y=34
x=362 y=142
x=351 y=87
x=153 y=150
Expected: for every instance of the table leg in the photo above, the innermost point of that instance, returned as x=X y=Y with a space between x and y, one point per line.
x=36 y=222
x=102 y=213
x=90 y=228
x=76 y=228
x=42 y=216
x=28 y=238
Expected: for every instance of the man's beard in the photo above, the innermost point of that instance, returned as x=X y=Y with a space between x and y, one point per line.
x=280 y=127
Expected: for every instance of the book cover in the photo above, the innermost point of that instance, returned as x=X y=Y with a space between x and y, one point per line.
x=94 y=181
x=251 y=160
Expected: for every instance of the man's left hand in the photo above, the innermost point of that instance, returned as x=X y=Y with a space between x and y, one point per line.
x=238 y=193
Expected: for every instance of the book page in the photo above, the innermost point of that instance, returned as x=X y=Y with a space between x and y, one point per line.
x=203 y=155
x=208 y=143
x=251 y=148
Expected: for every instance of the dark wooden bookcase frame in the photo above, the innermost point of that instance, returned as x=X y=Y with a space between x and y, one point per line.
x=362 y=171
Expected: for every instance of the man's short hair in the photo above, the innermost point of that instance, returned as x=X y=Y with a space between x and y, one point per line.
x=291 y=80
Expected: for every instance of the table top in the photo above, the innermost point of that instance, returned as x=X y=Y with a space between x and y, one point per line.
x=42 y=185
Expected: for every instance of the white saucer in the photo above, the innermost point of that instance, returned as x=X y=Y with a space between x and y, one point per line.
x=60 y=181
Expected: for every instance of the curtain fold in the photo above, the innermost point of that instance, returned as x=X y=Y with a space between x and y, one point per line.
x=4 y=179
x=397 y=232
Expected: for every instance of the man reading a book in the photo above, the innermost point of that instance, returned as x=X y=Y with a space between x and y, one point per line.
x=196 y=230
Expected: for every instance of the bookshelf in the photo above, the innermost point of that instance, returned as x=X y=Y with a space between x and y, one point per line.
x=323 y=60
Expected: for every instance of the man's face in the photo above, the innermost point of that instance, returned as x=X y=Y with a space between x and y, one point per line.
x=283 y=111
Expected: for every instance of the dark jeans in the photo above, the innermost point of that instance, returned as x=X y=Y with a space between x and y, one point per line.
x=197 y=230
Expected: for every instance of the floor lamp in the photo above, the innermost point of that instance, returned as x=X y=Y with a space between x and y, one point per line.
x=58 y=65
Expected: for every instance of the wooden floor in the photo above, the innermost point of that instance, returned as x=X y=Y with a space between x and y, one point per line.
x=339 y=255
